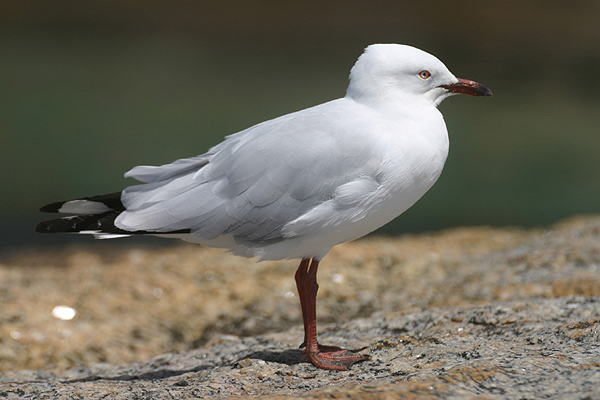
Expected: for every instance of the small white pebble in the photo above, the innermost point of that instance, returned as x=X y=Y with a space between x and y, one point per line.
x=63 y=312
x=289 y=295
x=338 y=278
x=15 y=335
x=157 y=293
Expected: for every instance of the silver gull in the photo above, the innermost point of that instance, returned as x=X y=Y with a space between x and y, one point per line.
x=297 y=185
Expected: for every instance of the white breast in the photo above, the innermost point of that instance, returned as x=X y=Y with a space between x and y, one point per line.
x=412 y=153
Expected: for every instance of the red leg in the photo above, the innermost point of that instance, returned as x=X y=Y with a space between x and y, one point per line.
x=326 y=357
x=301 y=273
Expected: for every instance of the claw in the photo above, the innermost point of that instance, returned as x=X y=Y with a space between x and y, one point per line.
x=335 y=358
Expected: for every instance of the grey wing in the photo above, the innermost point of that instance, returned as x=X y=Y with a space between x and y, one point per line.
x=251 y=185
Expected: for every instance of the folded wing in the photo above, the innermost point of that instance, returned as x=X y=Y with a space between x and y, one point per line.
x=257 y=181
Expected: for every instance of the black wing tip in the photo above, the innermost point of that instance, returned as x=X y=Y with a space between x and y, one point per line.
x=42 y=227
x=78 y=223
x=52 y=208
x=53 y=226
x=98 y=223
x=110 y=200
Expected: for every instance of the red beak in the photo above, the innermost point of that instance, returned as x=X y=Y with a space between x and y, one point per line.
x=468 y=87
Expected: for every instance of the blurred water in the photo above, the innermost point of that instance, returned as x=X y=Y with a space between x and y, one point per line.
x=78 y=111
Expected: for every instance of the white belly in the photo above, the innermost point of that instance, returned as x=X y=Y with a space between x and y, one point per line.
x=406 y=182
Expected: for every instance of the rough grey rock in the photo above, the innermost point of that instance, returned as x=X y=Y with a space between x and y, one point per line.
x=540 y=348
x=468 y=313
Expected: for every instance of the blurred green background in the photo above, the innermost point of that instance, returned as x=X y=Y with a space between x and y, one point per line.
x=90 y=89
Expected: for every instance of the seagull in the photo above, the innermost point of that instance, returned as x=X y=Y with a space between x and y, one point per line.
x=295 y=186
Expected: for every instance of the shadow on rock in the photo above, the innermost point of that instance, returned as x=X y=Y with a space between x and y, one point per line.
x=148 y=376
x=287 y=357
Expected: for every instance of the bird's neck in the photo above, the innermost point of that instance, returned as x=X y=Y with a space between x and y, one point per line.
x=390 y=103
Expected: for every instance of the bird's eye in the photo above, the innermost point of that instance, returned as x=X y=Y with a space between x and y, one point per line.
x=425 y=74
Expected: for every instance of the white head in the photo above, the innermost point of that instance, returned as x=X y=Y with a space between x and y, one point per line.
x=389 y=72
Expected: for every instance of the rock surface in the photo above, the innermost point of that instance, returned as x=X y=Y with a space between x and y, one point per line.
x=465 y=313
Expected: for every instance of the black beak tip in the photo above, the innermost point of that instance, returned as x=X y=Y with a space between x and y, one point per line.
x=469 y=87
x=485 y=91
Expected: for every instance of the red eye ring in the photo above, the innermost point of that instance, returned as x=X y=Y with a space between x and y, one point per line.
x=425 y=74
